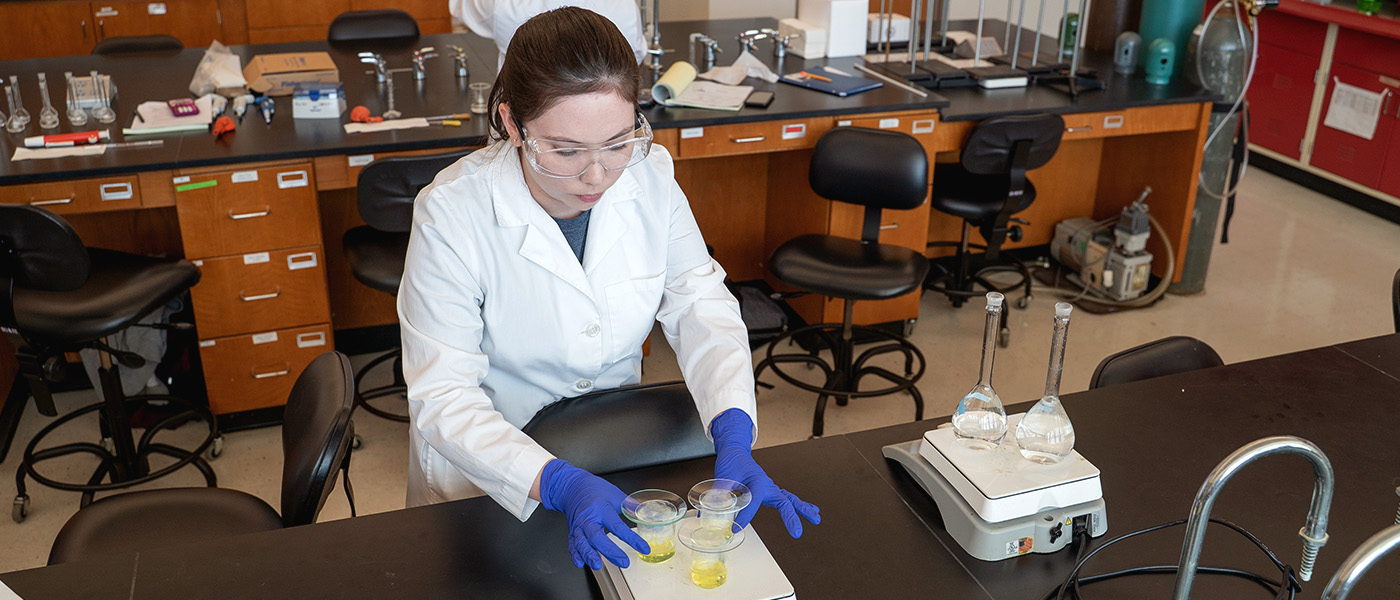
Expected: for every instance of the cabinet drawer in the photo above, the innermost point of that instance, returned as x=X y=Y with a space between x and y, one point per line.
x=247 y=372
x=237 y=212
x=1132 y=121
x=260 y=291
x=750 y=138
x=77 y=195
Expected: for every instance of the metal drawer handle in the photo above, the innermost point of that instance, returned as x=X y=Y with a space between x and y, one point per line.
x=894 y=225
x=274 y=294
x=267 y=210
x=286 y=369
x=69 y=199
x=292 y=179
x=747 y=140
x=1079 y=129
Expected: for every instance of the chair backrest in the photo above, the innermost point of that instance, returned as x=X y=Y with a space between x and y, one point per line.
x=388 y=186
x=874 y=168
x=625 y=428
x=990 y=148
x=38 y=250
x=1167 y=356
x=1395 y=300
x=372 y=25
x=127 y=44
x=316 y=432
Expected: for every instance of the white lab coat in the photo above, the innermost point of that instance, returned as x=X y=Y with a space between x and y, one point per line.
x=498 y=19
x=500 y=319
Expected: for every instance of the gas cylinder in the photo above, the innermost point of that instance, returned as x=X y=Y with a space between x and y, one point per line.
x=1170 y=19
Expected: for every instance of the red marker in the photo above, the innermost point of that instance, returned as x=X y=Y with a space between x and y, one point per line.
x=67 y=139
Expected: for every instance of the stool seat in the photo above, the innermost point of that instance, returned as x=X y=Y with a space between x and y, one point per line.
x=849 y=269
x=120 y=290
x=149 y=519
x=376 y=257
x=963 y=194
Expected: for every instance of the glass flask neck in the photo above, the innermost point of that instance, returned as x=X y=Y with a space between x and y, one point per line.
x=1057 y=358
x=989 y=345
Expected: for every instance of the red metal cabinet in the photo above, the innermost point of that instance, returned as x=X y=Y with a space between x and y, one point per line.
x=1279 y=99
x=1347 y=155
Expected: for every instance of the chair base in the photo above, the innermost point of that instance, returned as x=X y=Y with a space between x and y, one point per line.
x=845 y=371
x=960 y=289
x=116 y=470
x=398 y=388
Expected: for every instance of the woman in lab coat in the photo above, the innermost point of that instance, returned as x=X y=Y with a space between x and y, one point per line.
x=537 y=267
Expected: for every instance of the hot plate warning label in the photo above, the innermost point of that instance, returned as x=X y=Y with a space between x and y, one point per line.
x=1019 y=547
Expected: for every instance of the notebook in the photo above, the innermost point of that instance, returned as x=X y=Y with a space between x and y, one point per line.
x=678 y=87
x=840 y=85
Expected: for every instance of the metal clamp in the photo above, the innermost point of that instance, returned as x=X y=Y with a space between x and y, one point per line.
x=267 y=210
x=68 y=200
x=274 y=294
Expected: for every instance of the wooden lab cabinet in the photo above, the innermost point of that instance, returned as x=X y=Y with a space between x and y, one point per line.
x=39 y=28
x=261 y=307
x=271 y=21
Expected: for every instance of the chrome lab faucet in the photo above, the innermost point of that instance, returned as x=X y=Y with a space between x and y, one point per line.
x=1314 y=531
x=1360 y=561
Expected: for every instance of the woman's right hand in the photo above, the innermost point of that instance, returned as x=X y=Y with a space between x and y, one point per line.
x=593 y=509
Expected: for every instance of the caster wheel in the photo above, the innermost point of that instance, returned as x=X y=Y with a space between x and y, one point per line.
x=20 y=510
x=1004 y=338
x=356 y=442
x=1023 y=302
x=216 y=448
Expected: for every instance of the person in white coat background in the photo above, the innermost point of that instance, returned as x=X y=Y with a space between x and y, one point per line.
x=498 y=19
x=537 y=267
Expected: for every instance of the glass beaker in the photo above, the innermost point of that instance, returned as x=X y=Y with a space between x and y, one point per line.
x=655 y=512
x=479 y=97
x=709 y=548
x=979 y=422
x=1045 y=434
x=719 y=501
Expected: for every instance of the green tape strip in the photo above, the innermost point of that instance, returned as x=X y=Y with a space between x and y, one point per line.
x=194 y=186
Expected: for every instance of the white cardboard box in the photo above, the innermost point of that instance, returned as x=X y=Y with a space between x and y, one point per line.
x=812 y=40
x=843 y=20
x=898 y=25
x=318 y=101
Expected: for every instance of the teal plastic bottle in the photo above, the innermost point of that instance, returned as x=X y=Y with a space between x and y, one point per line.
x=1170 y=19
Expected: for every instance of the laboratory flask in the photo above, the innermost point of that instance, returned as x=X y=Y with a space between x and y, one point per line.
x=980 y=420
x=1045 y=434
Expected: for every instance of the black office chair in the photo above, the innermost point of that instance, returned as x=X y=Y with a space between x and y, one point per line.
x=623 y=428
x=985 y=189
x=1167 y=356
x=316 y=432
x=58 y=296
x=878 y=170
x=386 y=190
x=360 y=25
x=131 y=44
x=1395 y=300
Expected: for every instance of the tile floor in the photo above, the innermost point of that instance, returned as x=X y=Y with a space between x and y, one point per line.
x=1301 y=271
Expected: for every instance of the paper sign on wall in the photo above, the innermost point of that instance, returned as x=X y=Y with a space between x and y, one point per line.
x=1354 y=110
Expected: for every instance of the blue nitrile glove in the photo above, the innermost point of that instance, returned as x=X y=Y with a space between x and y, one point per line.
x=733 y=434
x=593 y=508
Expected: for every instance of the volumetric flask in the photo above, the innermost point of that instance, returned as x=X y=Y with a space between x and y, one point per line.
x=719 y=501
x=709 y=547
x=1045 y=434
x=979 y=422
x=655 y=512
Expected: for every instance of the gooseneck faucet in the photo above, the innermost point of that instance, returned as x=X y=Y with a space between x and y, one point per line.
x=1361 y=560
x=1314 y=531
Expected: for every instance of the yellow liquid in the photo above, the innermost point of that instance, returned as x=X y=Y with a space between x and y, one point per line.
x=660 y=551
x=708 y=574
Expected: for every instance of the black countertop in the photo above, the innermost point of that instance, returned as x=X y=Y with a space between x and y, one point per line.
x=164 y=76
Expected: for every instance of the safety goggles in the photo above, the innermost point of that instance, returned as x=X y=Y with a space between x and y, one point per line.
x=556 y=158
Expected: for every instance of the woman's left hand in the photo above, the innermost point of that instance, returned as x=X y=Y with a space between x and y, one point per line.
x=733 y=434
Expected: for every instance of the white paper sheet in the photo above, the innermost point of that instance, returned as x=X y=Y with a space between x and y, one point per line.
x=388 y=125
x=36 y=153
x=1354 y=110
x=8 y=594
x=745 y=66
